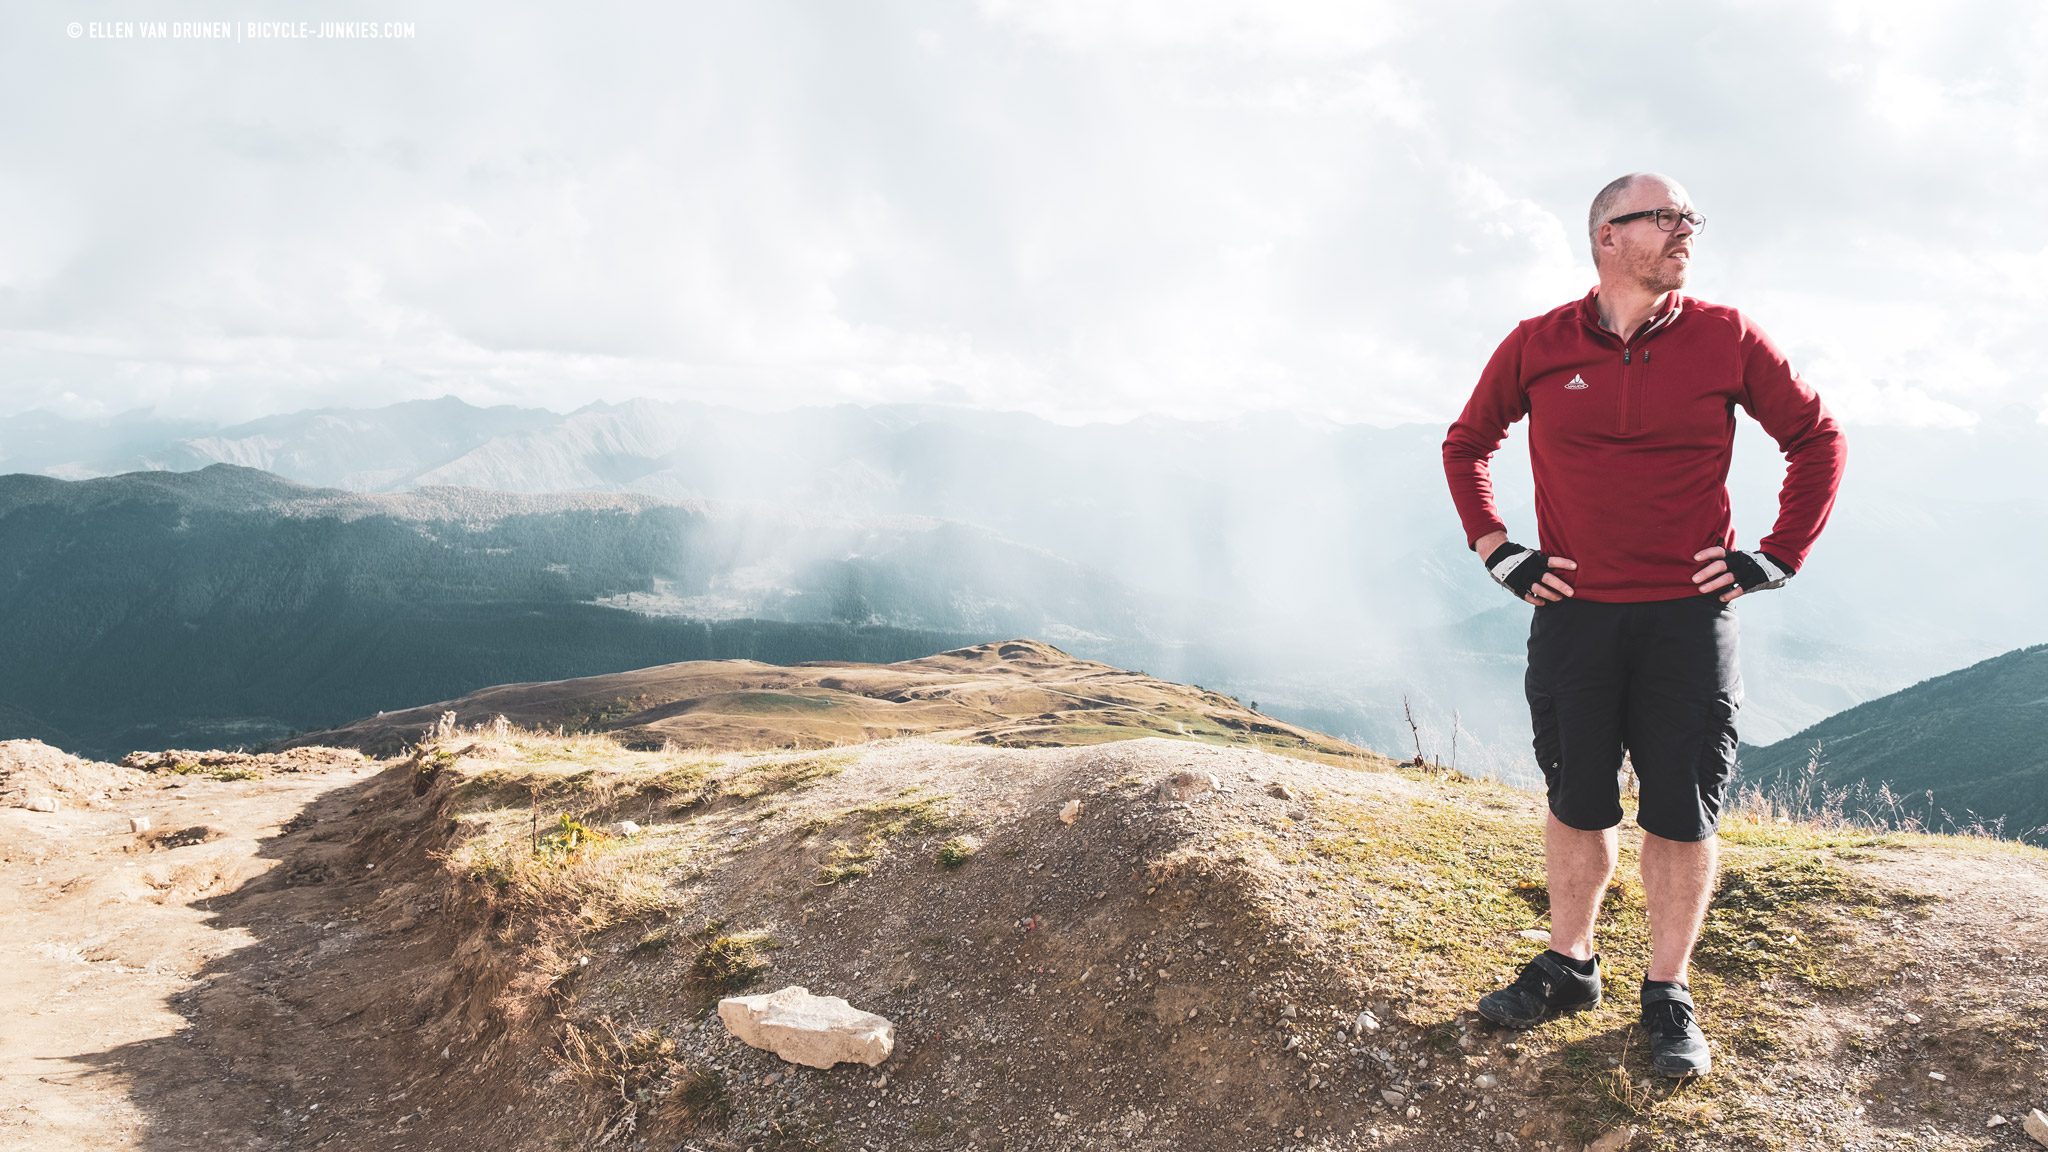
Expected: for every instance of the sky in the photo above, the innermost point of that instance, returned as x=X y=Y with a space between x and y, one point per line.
x=1083 y=209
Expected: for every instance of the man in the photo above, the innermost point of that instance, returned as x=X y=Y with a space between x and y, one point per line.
x=1631 y=395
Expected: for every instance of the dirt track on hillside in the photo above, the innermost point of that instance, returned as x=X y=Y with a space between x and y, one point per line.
x=116 y=934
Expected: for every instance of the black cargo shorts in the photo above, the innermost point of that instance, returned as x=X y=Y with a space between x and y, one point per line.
x=1658 y=679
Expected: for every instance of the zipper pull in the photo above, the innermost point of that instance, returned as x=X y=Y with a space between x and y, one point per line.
x=1646 y=356
x=1624 y=355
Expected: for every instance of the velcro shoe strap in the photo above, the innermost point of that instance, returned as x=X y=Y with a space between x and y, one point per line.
x=1558 y=973
x=1660 y=995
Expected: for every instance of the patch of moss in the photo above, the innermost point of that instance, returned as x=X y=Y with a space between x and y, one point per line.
x=1786 y=914
x=957 y=851
x=735 y=960
x=875 y=825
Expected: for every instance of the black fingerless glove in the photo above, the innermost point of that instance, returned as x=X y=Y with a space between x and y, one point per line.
x=1757 y=571
x=1516 y=568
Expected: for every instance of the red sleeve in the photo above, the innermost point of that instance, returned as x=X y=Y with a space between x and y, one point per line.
x=1497 y=402
x=1815 y=449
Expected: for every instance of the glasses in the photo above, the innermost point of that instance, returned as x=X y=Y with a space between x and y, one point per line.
x=1667 y=219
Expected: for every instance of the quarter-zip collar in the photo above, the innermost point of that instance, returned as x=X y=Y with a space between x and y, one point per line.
x=1589 y=315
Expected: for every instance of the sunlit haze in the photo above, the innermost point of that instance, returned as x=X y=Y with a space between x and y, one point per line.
x=1082 y=211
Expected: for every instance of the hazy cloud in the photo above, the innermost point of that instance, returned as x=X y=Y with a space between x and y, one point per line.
x=1081 y=209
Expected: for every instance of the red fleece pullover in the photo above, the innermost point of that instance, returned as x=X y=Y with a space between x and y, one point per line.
x=1630 y=441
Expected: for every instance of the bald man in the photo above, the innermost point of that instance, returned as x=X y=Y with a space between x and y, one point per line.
x=1631 y=395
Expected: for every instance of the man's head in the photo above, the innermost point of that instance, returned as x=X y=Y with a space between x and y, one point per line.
x=1632 y=248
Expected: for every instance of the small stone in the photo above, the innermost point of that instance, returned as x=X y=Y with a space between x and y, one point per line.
x=1485 y=1082
x=1996 y=1121
x=1288 y=1012
x=138 y=823
x=1937 y=1076
x=1070 y=812
x=1912 y=1018
x=1613 y=1141
x=1413 y=1112
x=1299 y=1132
x=1366 y=1022
x=2036 y=1126
x=1279 y=790
x=1186 y=785
x=628 y=828
x=1394 y=1099
x=44 y=804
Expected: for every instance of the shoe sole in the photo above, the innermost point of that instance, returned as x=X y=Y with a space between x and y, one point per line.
x=1684 y=1073
x=1543 y=1019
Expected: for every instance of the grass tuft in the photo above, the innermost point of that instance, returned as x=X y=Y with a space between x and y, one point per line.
x=734 y=961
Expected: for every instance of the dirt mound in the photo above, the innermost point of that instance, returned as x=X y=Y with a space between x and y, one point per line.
x=31 y=769
x=519 y=941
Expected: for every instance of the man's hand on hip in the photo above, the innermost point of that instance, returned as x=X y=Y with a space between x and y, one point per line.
x=1740 y=573
x=1524 y=571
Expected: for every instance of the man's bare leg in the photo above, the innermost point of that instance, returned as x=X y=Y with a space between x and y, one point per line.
x=1678 y=880
x=1579 y=864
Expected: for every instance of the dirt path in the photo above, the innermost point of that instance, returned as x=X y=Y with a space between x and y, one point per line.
x=107 y=928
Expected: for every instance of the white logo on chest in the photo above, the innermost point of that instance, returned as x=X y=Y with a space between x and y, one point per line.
x=1578 y=382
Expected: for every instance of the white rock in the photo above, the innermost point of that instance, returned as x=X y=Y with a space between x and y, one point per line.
x=44 y=804
x=1996 y=1121
x=1912 y=1018
x=1536 y=934
x=815 y=1031
x=1393 y=1098
x=138 y=823
x=1485 y=1081
x=628 y=828
x=1613 y=1141
x=1366 y=1022
x=1070 y=812
x=1937 y=1076
x=2037 y=1127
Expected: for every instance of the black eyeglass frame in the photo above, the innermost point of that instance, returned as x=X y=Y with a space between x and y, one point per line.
x=1698 y=222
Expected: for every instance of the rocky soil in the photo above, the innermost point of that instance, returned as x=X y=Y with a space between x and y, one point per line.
x=1140 y=944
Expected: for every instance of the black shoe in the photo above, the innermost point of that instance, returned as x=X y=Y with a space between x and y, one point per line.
x=1677 y=1047
x=1546 y=988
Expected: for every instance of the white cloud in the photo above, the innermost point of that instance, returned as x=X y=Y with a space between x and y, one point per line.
x=1075 y=208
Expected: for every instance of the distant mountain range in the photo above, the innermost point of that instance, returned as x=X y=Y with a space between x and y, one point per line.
x=230 y=606
x=1977 y=739
x=1317 y=568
